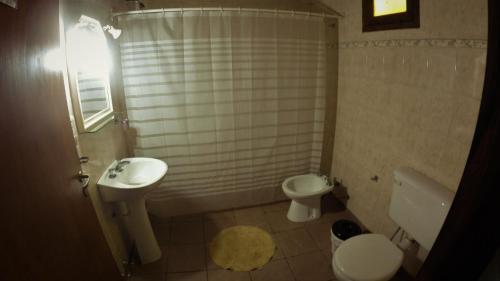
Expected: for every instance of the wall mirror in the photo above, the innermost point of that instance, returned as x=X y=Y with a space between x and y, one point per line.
x=89 y=63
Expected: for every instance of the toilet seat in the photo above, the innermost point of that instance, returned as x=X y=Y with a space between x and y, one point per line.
x=368 y=257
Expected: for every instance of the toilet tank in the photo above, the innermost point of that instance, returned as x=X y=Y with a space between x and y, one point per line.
x=419 y=205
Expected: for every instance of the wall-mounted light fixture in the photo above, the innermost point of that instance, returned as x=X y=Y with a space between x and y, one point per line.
x=87 y=47
x=113 y=31
x=54 y=59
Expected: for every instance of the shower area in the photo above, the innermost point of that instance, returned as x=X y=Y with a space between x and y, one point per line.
x=233 y=100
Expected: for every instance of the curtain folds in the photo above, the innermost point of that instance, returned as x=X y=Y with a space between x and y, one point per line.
x=231 y=101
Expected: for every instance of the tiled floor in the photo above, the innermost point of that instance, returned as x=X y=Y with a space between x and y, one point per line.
x=303 y=248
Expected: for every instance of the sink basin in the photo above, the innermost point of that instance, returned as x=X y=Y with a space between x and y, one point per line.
x=137 y=178
x=125 y=188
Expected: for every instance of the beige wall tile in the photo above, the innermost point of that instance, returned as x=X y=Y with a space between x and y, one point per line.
x=406 y=106
x=438 y=19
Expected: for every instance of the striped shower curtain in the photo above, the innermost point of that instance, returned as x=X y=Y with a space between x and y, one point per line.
x=232 y=101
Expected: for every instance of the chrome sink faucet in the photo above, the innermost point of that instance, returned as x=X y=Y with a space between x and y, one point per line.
x=118 y=168
x=121 y=164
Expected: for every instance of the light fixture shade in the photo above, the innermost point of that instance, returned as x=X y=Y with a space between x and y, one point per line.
x=113 y=31
x=87 y=47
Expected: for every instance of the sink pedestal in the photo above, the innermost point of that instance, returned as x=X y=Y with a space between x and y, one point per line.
x=140 y=230
x=125 y=183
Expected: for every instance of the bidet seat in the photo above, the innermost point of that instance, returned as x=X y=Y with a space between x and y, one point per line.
x=367 y=257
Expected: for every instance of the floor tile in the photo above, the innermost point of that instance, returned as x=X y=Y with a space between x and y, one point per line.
x=149 y=277
x=187 y=276
x=273 y=271
x=327 y=254
x=188 y=218
x=276 y=207
x=278 y=254
x=187 y=232
x=210 y=264
x=214 y=226
x=254 y=216
x=159 y=220
x=310 y=267
x=159 y=266
x=279 y=222
x=249 y=215
x=227 y=275
x=219 y=215
x=295 y=242
x=264 y=226
x=321 y=233
x=333 y=217
x=186 y=257
x=162 y=232
x=402 y=275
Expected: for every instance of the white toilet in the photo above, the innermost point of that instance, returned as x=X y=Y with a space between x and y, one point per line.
x=305 y=192
x=419 y=205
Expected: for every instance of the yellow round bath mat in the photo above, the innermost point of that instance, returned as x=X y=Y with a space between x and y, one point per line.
x=242 y=248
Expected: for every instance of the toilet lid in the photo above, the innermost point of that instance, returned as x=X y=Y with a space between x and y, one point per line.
x=368 y=257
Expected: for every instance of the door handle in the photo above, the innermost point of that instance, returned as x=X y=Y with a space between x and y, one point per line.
x=84 y=180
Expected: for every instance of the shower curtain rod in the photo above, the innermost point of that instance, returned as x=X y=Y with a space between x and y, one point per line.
x=222 y=9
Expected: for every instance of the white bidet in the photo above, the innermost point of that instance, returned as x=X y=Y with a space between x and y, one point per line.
x=305 y=192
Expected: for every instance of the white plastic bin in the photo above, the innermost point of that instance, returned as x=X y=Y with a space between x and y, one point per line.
x=342 y=230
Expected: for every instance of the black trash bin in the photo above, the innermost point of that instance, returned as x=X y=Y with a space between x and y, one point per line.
x=342 y=230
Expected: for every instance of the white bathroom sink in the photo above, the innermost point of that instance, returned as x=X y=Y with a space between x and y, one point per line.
x=135 y=179
x=124 y=185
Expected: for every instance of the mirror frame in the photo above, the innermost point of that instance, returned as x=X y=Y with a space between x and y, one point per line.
x=103 y=117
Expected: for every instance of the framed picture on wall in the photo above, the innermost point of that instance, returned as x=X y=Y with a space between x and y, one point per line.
x=390 y=14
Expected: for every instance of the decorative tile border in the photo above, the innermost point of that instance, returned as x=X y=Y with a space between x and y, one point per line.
x=395 y=43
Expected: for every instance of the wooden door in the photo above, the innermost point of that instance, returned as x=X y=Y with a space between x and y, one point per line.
x=48 y=229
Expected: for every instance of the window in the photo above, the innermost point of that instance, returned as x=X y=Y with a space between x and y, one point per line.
x=388 y=7
x=390 y=14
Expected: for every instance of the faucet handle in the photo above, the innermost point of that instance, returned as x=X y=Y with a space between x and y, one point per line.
x=120 y=164
x=112 y=173
x=326 y=179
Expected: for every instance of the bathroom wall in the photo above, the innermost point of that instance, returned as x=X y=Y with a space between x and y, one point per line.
x=108 y=143
x=406 y=98
x=102 y=148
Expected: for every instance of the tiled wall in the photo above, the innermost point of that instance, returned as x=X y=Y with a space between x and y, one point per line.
x=406 y=98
